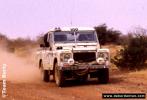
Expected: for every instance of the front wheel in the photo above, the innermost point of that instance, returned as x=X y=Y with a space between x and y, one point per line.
x=59 y=78
x=45 y=74
x=103 y=75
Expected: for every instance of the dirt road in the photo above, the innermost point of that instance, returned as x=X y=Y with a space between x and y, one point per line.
x=24 y=83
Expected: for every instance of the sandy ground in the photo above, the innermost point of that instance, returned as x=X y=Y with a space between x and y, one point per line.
x=24 y=83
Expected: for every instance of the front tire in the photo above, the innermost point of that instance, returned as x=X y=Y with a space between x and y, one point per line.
x=59 y=77
x=103 y=75
x=45 y=74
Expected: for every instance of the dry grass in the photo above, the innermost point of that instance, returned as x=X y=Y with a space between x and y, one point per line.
x=139 y=74
x=113 y=49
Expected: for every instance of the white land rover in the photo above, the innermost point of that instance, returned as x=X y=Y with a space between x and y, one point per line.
x=69 y=53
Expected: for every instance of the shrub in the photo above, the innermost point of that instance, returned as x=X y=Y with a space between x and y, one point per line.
x=107 y=36
x=134 y=53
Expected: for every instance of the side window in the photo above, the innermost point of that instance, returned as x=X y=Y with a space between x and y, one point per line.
x=46 y=40
x=50 y=40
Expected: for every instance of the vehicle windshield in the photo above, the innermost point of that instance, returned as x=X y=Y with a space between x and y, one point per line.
x=67 y=36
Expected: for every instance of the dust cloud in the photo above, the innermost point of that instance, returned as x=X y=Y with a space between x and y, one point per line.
x=19 y=69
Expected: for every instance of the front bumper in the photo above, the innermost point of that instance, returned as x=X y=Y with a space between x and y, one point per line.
x=83 y=67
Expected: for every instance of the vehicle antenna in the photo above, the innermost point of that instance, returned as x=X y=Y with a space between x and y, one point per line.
x=72 y=11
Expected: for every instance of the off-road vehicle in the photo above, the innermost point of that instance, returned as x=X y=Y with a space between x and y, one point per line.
x=73 y=53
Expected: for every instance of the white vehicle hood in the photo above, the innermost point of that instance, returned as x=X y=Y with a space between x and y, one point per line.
x=78 y=46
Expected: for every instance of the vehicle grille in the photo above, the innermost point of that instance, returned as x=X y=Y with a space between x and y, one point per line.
x=84 y=57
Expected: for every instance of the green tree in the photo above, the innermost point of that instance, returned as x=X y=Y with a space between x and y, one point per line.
x=106 y=35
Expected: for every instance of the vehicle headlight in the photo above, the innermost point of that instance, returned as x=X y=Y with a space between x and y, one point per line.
x=70 y=61
x=100 y=61
x=104 y=55
x=103 y=58
x=65 y=57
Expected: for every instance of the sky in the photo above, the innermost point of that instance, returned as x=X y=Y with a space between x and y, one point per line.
x=30 y=18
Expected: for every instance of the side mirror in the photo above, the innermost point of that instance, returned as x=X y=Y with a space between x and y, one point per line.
x=42 y=45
